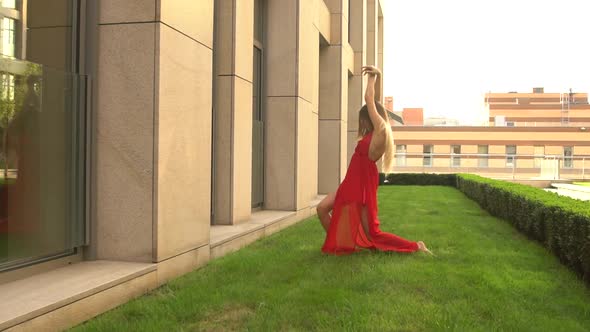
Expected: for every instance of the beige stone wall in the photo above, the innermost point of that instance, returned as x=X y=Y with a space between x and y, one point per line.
x=123 y=207
x=156 y=91
x=152 y=164
x=356 y=83
x=172 y=125
x=184 y=60
x=233 y=111
x=333 y=100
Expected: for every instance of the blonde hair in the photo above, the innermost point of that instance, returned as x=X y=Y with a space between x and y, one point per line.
x=365 y=126
x=389 y=154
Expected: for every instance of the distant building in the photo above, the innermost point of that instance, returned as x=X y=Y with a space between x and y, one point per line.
x=538 y=109
x=389 y=103
x=413 y=116
x=440 y=121
x=551 y=135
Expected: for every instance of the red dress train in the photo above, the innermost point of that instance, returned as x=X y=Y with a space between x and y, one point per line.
x=359 y=190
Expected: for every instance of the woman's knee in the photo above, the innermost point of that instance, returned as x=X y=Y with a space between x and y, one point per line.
x=323 y=208
x=326 y=204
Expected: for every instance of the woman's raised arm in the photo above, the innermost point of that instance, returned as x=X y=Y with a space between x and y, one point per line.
x=374 y=82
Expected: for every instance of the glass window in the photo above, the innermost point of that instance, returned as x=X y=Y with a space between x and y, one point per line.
x=400 y=155
x=482 y=159
x=257 y=112
x=8 y=37
x=456 y=155
x=568 y=156
x=9 y=3
x=349 y=19
x=510 y=155
x=539 y=155
x=42 y=119
x=258 y=20
x=427 y=156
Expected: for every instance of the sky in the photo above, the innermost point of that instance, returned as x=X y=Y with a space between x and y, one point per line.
x=444 y=55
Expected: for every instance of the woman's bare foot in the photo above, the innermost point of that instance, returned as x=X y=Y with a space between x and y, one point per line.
x=422 y=247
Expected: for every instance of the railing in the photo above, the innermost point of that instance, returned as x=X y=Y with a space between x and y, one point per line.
x=556 y=123
x=517 y=166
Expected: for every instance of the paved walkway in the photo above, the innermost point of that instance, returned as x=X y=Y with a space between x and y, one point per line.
x=571 y=190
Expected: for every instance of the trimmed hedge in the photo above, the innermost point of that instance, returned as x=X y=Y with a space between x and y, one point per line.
x=560 y=223
x=421 y=179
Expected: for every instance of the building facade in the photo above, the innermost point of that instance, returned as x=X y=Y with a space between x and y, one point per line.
x=538 y=109
x=413 y=116
x=143 y=138
x=531 y=136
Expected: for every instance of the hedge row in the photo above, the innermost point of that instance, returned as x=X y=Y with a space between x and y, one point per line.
x=420 y=179
x=560 y=223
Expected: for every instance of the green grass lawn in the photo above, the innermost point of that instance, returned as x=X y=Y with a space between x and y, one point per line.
x=583 y=183
x=486 y=277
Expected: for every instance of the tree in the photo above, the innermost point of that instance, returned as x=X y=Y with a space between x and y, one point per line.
x=12 y=91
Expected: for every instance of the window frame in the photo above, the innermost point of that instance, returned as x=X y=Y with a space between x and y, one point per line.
x=511 y=157
x=455 y=156
x=568 y=160
x=427 y=155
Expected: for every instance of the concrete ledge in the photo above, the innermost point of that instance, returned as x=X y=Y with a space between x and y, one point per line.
x=538 y=183
x=182 y=264
x=41 y=295
x=572 y=187
x=573 y=191
x=67 y=296
x=227 y=239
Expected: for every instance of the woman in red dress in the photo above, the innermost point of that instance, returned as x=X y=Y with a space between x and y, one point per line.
x=353 y=223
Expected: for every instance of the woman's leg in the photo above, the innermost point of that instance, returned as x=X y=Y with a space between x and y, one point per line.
x=382 y=240
x=365 y=222
x=324 y=209
x=422 y=247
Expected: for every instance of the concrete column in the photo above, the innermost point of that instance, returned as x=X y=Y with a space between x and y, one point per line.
x=184 y=67
x=281 y=105
x=372 y=32
x=308 y=117
x=292 y=51
x=124 y=162
x=380 y=41
x=333 y=101
x=151 y=163
x=233 y=111
x=356 y=83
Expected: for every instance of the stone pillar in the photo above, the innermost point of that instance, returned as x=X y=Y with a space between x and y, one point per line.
x=333 y=101
x=372 y=32
x=124 y=162
x=151 y=163
x=356 y=83
x=233 y=111
x=291 y=111
x=380 y=42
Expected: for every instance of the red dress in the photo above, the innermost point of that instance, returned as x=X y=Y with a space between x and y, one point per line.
x=358 y=190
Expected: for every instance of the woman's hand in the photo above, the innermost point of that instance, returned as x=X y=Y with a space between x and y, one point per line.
x=371 y=71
